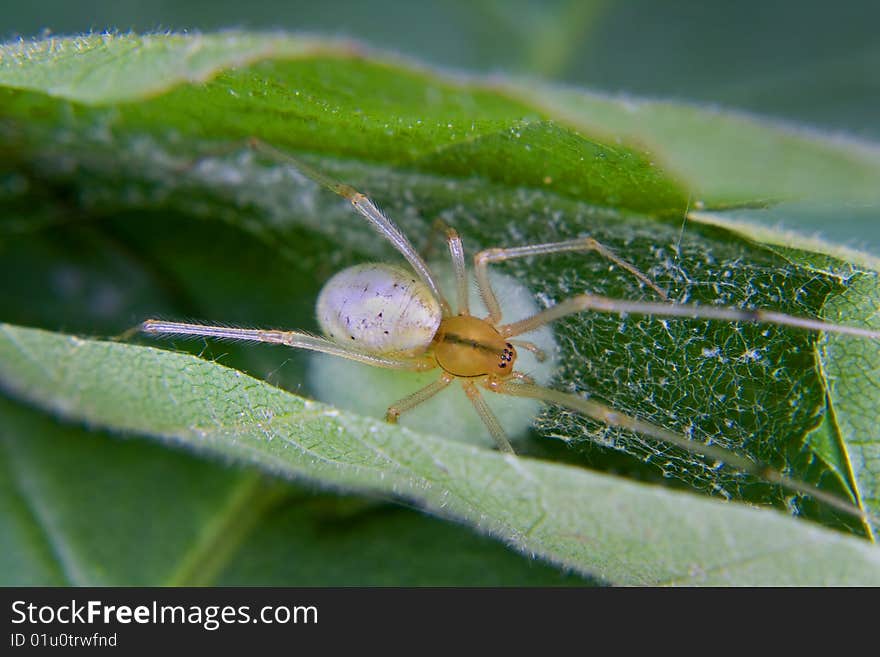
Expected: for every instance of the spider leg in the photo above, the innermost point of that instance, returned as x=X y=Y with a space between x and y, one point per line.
x=411 y=401
x=387 y=228
x=610 y=417
x=294 y=339
x=594 y=302
x=484 y=258
x=487 y=416
x=540 y=355
x=456 y=252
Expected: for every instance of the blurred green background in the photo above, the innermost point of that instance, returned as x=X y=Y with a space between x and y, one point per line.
x=812 y=63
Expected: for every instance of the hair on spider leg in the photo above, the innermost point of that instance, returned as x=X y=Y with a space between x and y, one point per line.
x=399 y=320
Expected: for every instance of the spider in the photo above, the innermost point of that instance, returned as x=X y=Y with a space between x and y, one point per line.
x=387 y=316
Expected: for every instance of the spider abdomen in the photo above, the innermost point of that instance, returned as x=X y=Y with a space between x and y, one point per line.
x=379 y=308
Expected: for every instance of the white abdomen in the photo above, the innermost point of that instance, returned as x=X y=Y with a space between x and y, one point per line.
x=379 y=308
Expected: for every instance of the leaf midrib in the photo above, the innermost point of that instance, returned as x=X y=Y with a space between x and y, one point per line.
x=221 y=539
x=65 y=562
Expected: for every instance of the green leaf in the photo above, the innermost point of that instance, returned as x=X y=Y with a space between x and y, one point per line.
x=81 y=507
x=110 y=68
x=727 y=158
x=616 y=530
x=330 y=101
x=851 y=369
x=138 y=198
